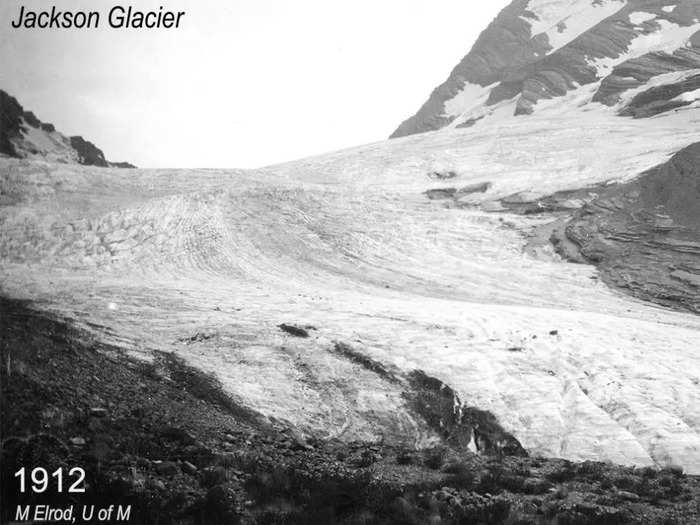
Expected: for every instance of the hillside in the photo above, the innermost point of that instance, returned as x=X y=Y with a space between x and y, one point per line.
x=23 y=135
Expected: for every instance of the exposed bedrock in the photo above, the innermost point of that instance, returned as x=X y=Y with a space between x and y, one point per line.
x=23 y=135
x=636 y=72
x=10 y=120
x=575 y=63
x=535 y=51
x=645 y=235
x=437 y=404
x=662 y=98
x=456 y=423
x=505 y=45
x=88 y=153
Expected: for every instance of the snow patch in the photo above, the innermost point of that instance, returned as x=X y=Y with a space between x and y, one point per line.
x=688 y=96
x=579 y=97
x=470 y=96
x=481 y=112
x=668 y=8
x=668 y=38
x=639 y=17
x=564 y=21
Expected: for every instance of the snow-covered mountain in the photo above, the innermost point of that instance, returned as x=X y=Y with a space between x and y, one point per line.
x=636 y=57
x=23 y=135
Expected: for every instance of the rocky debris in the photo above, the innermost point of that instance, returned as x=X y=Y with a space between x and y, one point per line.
x=526 y=203
x=10 y=123
x=644 y=235
x=167 y=468
x=88 y=153
x=98 y=412
x=212 y=476
x=457 y=193
x=442 y=175
x=167 y=453
x=294 y=330
x=201 y=385
x=15 y=123
x=660 y=99
x=197 y=337
x=175 y=433
x=366 y=362
x=459 y=424
x=441 y=193
x=296 y=440
x=189 y=468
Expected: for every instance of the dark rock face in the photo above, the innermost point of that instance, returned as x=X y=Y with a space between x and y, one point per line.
x=124 y=165
x=296 y=331
x=644 y=235
x=364 y=361
x=15 y=122
x=30 y=118
x=516 y=64
x=10 y=120
x=455 y=193
x=661 y=99
x=88 y=153
x=635 y=72
x=504 y=46
x=459 y=424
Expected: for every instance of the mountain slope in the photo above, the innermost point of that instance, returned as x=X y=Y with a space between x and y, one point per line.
x=23 y=135
x=572 y=52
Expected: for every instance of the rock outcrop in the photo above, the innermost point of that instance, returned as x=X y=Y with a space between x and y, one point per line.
x=10 y=120
x=573 y=52
x=23 y=135
x=88 y=153
x=645 y=235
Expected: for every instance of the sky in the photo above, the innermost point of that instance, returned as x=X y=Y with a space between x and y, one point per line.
x=242 y=83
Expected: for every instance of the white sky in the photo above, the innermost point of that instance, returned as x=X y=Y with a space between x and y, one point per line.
x=243 y=83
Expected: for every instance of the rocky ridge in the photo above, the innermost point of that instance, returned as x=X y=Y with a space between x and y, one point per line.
x=644 y=235
x=23 y=135
x=572 y=53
